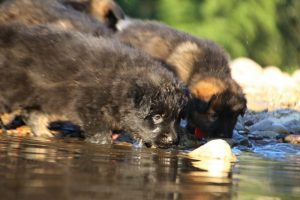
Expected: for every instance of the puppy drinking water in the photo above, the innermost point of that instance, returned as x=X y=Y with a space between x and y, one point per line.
x=94 y=85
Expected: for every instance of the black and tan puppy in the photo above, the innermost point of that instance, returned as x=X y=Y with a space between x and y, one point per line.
x=54 y=12
x=201 y=64
x=107 y=11
x=59 y=78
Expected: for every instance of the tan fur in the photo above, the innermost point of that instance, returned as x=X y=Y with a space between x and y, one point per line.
x=64 y=24
x=183 y=58
x=100 y=8
x=106 y=11
x=160 y=50
x=38 y=122
x=9 y=117
x=206 y=88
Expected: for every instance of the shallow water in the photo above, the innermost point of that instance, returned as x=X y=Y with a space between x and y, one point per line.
x=61 y=169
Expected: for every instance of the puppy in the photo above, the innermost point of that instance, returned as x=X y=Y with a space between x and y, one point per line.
x=107 y=11
x=88 y=84
x=37 y=12
x=54 y=12
x=201 y=64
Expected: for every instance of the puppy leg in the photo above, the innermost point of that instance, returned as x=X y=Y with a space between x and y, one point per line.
x=38 y=122
x=66 y=129
x=12 y=120
x=104 y=137
x=2 y=126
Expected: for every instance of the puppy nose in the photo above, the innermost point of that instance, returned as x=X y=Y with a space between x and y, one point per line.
x=167 y=140
x=172 y=138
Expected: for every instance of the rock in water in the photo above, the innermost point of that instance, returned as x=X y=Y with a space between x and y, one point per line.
x=292 y=139
x=214 y=149
x=259 y=135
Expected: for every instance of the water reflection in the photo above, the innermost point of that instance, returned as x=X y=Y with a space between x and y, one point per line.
x=213 y=168
x=260 y=178
x=40 y=169
x=60 y=169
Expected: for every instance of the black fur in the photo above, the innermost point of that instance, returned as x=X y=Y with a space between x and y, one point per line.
x=38 y=12
x=95 y=83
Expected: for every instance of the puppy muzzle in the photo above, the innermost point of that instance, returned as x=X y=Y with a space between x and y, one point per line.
x=167 y=140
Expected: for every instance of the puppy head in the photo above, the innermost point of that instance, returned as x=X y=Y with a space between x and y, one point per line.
x=107 y=11
x=215 y=107
x=158 y=108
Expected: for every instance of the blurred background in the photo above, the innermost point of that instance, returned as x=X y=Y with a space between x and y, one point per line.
x=265 y=31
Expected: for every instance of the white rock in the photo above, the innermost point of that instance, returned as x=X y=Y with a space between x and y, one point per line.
x=273 y=76
x=214 y=149
x=296 y=76
x=266 y=88
x=245 y=70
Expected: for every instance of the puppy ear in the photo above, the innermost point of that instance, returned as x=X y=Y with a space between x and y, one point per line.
x=107 y=11
x=208 y=88
x=240 y=101
x=244 y=104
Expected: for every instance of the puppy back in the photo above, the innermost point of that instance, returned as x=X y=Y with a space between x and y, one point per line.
x=184 y=54
x=37 y=12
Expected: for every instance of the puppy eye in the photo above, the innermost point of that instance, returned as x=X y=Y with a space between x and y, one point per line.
x=157 y=119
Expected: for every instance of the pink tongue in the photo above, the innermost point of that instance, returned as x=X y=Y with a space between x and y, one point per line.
x=199 y=134
x=115 y=136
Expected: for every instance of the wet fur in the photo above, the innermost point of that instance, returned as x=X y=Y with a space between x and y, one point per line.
x=203 y=66
x=96 y=84
x=37 y=12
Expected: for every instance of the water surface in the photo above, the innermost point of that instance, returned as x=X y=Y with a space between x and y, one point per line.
x=63 y=169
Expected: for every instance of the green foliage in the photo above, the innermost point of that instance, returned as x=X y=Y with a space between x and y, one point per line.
x=139 y=9
x=288 y=21
x=266 y=31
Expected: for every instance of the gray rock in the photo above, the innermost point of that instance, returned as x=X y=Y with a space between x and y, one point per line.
x=239 y=126
x=252 y=117
x=293 y=126
x=248 y=122
x=279 y=128
x=261 y=126
x=282 y=112
x=259 y=135
x=270 y=124
x=294 y=115
x=244 y=132
x=266 y=141
x=239 y=139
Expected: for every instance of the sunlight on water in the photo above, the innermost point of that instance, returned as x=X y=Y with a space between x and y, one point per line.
x=62 y=169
